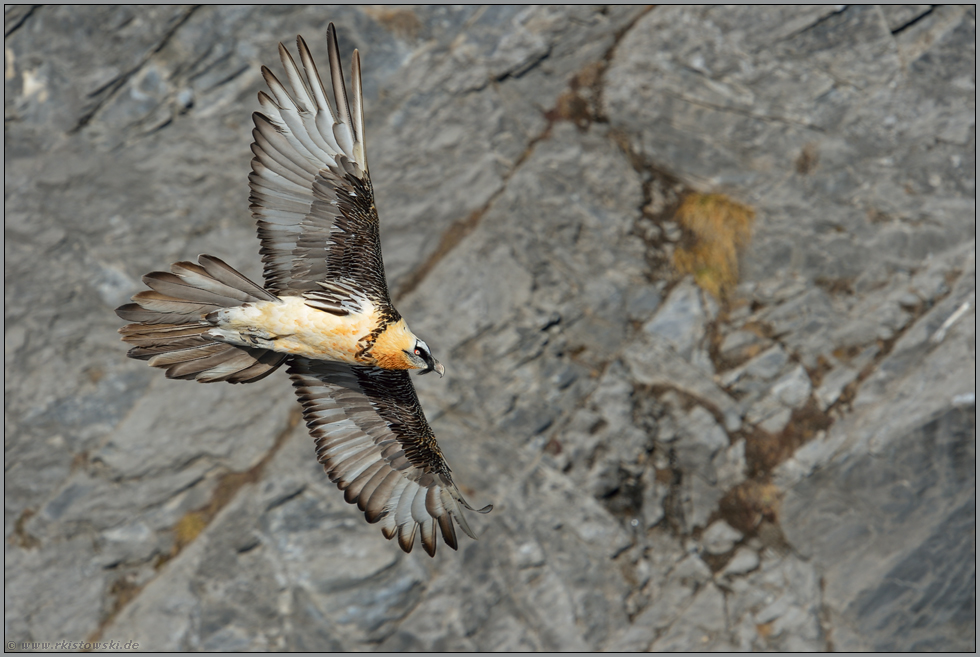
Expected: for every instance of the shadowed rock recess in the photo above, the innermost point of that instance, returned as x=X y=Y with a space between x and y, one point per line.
x=703 y=280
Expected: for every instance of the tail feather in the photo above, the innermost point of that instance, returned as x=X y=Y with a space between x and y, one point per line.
x=175 y=286
x=161 y=303
x=223 y=363
x=188 y=354
x=221 y=271
x=150 y=346
x=266 y=363
x=133 y=312
x=170 y=326
x=146 y=336
x=197 y=276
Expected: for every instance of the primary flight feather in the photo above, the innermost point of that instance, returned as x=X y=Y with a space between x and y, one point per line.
x=325 y=310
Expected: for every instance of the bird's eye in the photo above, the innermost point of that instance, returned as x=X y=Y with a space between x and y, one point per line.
x=418 y=352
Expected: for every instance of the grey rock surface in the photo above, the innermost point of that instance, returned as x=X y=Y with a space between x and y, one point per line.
x=720 y=537
x=788 y=467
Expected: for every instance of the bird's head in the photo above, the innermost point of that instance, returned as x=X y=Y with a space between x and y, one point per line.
x=422 y=359
x=397 y=348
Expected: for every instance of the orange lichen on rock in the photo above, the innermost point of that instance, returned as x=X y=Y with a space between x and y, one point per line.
x=717 y=229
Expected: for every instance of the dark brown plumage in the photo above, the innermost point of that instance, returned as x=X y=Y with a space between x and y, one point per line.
x=375 y=444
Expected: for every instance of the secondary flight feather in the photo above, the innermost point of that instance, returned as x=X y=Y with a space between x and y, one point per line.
x=324 y=311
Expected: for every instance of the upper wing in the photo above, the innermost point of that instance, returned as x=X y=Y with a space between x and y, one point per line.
x=375 y=444
x=311 y=192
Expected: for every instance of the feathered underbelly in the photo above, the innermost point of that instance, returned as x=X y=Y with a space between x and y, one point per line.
x=290 y=326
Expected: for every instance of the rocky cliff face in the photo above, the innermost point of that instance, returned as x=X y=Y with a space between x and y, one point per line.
x=703 y=280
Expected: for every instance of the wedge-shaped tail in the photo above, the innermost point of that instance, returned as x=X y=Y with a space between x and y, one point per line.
x=170 y=324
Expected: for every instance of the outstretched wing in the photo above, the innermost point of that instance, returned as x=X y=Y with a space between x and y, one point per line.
x=375 y=444
x=311 y=192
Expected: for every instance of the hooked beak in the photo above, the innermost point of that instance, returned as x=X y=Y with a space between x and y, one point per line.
x=436 y=366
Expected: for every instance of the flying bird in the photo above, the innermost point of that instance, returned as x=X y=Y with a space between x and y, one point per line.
x=324 y=311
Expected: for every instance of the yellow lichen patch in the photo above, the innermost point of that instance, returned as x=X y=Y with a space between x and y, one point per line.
x=188 y=528
x=750 y=503
x=194 y=522
x=717 y=229
x=400 y=22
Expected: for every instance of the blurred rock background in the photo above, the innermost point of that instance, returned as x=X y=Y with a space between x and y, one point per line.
x=703 y=280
